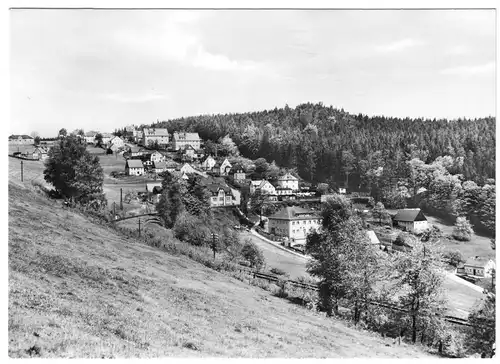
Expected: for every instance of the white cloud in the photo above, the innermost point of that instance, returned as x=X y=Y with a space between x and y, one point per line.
x=458 y=50
x=219 y=62
x=138 y=98
x=470 y=70
x=399 y=45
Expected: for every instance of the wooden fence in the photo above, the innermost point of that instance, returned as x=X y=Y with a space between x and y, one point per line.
x=312 y=287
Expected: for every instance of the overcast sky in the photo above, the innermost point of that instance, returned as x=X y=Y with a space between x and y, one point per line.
x=104 y=69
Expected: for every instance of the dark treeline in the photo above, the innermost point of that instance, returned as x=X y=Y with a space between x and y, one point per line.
x=326 y=144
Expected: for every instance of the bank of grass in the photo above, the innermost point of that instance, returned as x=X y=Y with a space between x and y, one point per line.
x=80 y=289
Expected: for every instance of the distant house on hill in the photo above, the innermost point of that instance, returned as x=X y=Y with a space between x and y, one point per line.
x=237 y=172
x=412 y=220
x=187 y=169
x=152 y=135
x=288 y=181
x=222 y=169
x=117 y=141
x=264 y=186
x=182 y=140
x=208 y=163
x=479 y=267
x=134 y=167
x=153 y=191
x=90 y=137
x=159 y=167
x=21 y=139
x=221 y=195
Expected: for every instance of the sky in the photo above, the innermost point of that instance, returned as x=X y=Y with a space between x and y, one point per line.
x=105 y=69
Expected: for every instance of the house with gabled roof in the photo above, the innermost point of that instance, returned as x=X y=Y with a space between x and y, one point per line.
x=265 y=187
x=412 y=220
x=117 y=141
x=134 y=167
x=181 y=140
x=479 y=267
x=21 y=139
x=90 y=137
x=159 y=167
x=152 y=135
x=288 y=181
x=208 y=163
x=237 y=172
x=294 y=223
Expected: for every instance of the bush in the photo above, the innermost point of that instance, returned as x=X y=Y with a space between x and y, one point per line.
x=253 y=254
x=462 y=230
x=454 y=258
x=277 y=271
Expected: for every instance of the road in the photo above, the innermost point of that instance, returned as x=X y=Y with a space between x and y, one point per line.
x=278 y=258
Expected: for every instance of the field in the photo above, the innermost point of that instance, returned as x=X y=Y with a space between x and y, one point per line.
x=77 y=289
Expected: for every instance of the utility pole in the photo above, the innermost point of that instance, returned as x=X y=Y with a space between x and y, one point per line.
x=214 y=243
x=114 y=210
x=139 y=227
x=121 y=199
x=22 y=176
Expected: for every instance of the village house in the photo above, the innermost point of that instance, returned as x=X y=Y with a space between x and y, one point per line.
x=221 y=195
x=187 y=168
x=222 y=169
x=106 y=138
x=90 y=137
x=208 y=163
x=21 y=139
x=159 y=167
x=412 y=220
x=153 y=191
x=31 y=154
x=293 y=223
x=237 y=173
x=152 y=135
x=479 y=267
x=182 y=140
x=285 y=193
x=265 y=187
x=117 y=141
x=150 y=158
x=171 y=166
x=288 y=181
x=138 y=134
x=188 y=153
x=134 y=167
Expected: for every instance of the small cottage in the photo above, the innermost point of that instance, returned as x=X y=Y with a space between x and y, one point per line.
x=479 y=267
x=134 y=167
x=412 y=220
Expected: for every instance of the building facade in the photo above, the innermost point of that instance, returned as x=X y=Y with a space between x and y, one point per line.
x=288 y=181
x=134 y=167
x=265 y=187
x=152 y=135
x=479 y=267
x=294 y=223
x=182 y=140
x=21 y=139
x=412 y=220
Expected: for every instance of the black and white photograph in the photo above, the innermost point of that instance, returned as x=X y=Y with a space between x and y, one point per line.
x=234 y=181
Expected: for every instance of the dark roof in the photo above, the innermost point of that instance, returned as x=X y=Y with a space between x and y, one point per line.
x=134 y=163
x=215 y=187
x=294 y=213
x=410 y=215
x=160 y=165
x=477 y=261
x=24 y=136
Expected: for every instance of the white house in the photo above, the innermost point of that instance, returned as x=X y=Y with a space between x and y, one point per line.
x=182 y=140
x=187 y=169
x=21 y=139
x=221 y=195
x=288 y=181
x=90 y=137
x=294 y=223
x=208 y=163
x=265 y=187
x=412 y=220
x=134 y=167
x=222 y=169
x=479 y=267
x=117 y=141
x=151 y=135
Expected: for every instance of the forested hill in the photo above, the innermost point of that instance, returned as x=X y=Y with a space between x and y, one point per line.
x=324 y=143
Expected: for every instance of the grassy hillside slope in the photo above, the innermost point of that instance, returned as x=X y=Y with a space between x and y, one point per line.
x=77 y=289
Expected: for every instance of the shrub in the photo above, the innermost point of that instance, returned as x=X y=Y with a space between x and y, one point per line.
x=277 y=271
x=253 y=254
x=462 y=230
x=454 y=258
